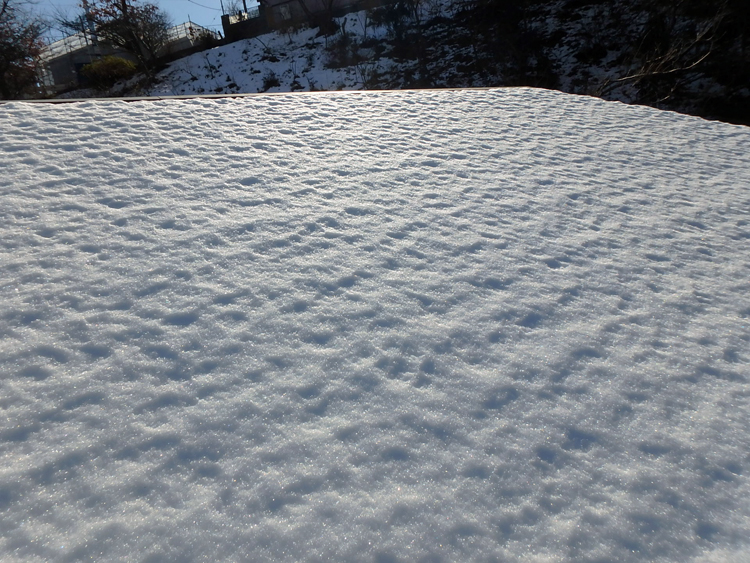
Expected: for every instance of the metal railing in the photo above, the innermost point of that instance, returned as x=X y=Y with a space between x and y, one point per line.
x=189 y=30
x=67 y=45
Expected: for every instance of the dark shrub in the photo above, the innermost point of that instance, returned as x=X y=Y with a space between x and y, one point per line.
x=270 y=80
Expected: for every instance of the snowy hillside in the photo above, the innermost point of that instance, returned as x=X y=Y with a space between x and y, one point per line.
x=505 y=325
x=278 y=62
x=685 y=56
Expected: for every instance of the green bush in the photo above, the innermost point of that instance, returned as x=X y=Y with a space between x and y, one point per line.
x=105 y=72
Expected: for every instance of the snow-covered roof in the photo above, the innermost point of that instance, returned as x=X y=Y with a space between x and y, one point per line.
x=442 y=325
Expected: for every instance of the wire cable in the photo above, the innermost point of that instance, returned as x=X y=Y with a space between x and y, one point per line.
x=202 y=6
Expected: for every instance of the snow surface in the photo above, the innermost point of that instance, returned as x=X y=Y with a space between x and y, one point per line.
x=502 y=325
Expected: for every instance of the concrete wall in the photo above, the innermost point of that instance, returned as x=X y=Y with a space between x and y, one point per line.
x=283 y=13
x=280 y=14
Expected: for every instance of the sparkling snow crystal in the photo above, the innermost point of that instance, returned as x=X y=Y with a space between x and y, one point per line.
x=502 y=325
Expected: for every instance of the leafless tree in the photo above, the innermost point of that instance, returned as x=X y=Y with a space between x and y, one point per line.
x=669 y=47
x=140 y=28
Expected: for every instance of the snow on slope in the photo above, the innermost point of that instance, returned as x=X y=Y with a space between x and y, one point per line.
x=463 y=325
x=274 y=62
